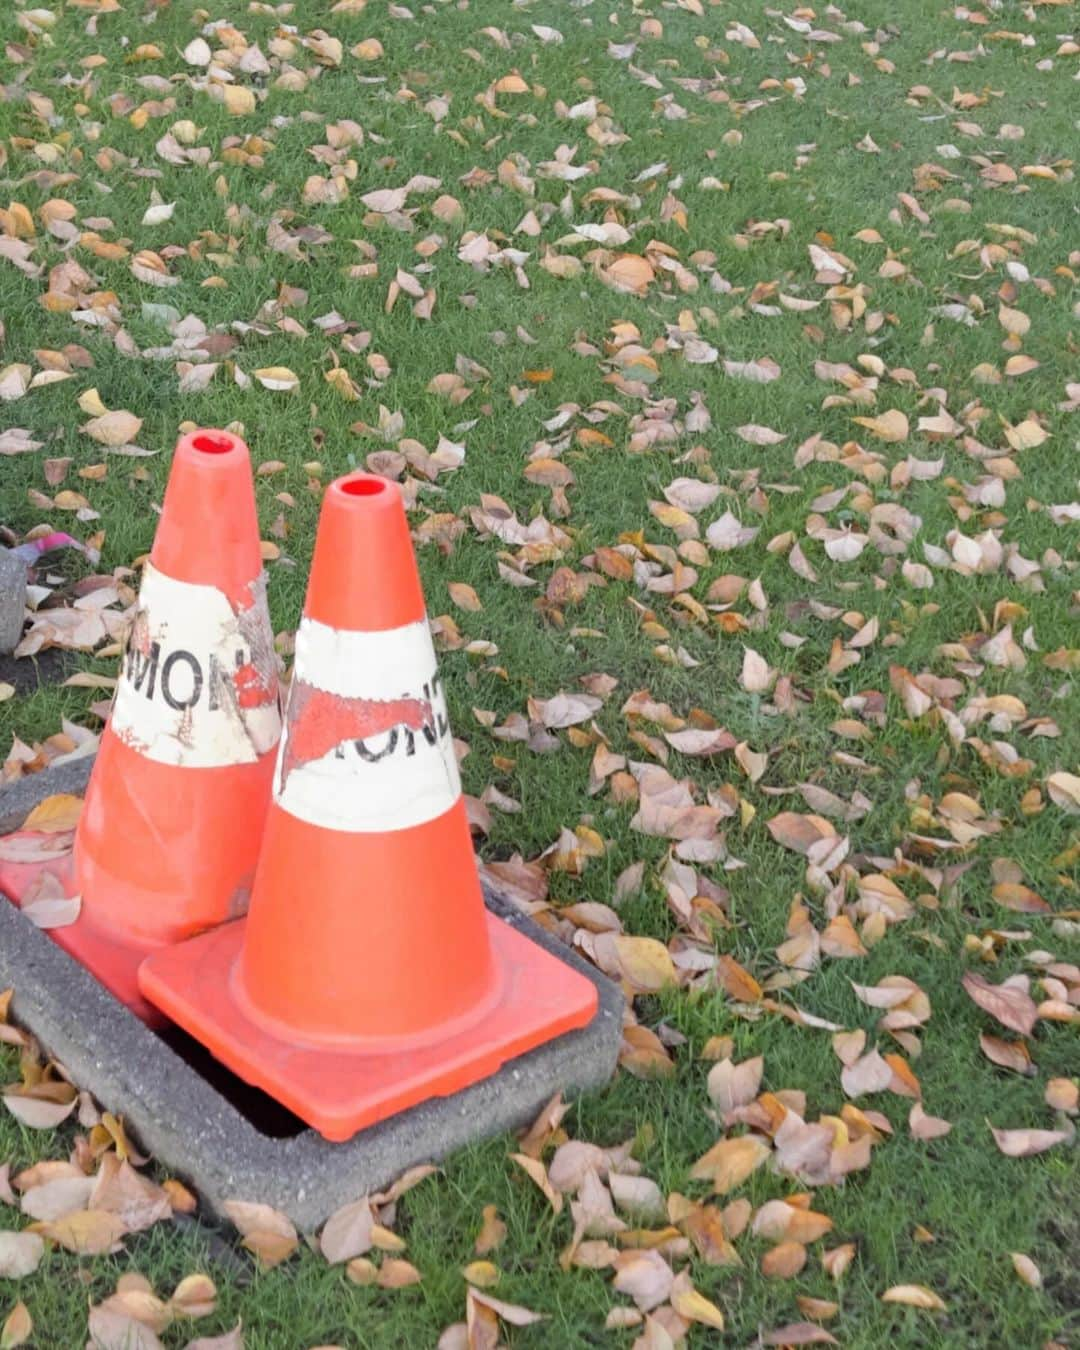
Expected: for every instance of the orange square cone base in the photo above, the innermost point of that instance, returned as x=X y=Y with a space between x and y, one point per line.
x=341 y=1090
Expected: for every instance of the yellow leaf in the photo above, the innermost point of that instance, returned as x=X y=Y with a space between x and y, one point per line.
x=729 y=1162
x=695 y=1307
x=238 y=99
x=484 y=1274
x=113 y=428
x=87 y=1232
x=1026 y=435
x=1026 y=1268
x=644 y=963
x=91 y=404
x=511 y=84
x=631 y=272
x=914 y=1296
x=890 y=426
x=464 y=596
x=59 y=812
x=278 y=377
x=538 y=1173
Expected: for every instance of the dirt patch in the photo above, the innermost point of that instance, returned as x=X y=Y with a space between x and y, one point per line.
x=28 y=673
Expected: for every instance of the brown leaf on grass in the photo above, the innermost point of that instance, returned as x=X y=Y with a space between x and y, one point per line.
x=564 y=710
x=347 y=1232
x=87 y=1232
x=730 y=1161
x=694 y=1306
x=778 y=1221
x=798 y=1333
x=514 y=1313
x=113 y=428
x=1064 y=790
x=868 y=1074
x=58 y=1197
x=535 y=1169
x=1008 y=1054
x=926 y=1127
x=644 y=963
x=837 y=1260
x=464 y=596
x=639 y=1197
x=799 y=832
x=731 y=1085
x=18 y=1328
x=1010 y=1006
x=492 y=1232
x=1027 y=1270
x=784 y=1261
x=645 y=1276
x=820 y=1309
x=231 y=1340
x=394 y=1273
x=133 y=1198
x=736 y=981
x=1063 y=1094
x=1028 y=1143
x=1022 y=899
x=890 y=426
x=194 y=1296
x=267 y=1233
x=914 y=1296
x=113 y=1330
x=700 y=743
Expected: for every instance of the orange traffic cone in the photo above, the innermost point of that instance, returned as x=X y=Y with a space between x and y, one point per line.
x=368 y=975
x=170 y=829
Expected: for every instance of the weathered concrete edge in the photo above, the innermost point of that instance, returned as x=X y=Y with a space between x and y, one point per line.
x=18 y=799
x=194 y=1132
x=191 y=1130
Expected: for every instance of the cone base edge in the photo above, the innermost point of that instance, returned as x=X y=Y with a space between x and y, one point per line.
x=341 y=1092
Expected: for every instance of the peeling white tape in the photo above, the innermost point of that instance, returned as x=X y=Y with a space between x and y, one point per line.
x=367 y=745
x=198 y=682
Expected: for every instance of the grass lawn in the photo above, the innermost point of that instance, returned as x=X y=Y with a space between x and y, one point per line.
x=642 y=243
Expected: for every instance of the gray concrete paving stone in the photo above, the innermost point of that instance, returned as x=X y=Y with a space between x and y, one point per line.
x=12 y=600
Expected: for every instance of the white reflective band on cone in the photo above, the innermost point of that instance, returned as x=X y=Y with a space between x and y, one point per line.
x=367 y=745
x=198 y=681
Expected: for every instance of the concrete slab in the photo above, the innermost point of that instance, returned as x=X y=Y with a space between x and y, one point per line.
x=12 y=600
x=193 y=1130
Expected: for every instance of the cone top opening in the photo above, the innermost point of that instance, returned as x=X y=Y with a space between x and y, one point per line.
x=209 y=532
x=214 y=442
x=363 y=485
x=363 y=572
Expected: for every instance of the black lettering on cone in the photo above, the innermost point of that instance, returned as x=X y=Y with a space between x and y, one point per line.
x=196 y=680
x=433 y=694
x=142 y=664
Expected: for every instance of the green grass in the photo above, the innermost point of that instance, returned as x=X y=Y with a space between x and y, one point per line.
x=979 y=1205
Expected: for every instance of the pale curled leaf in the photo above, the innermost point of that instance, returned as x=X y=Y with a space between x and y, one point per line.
x=1027 y=1143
